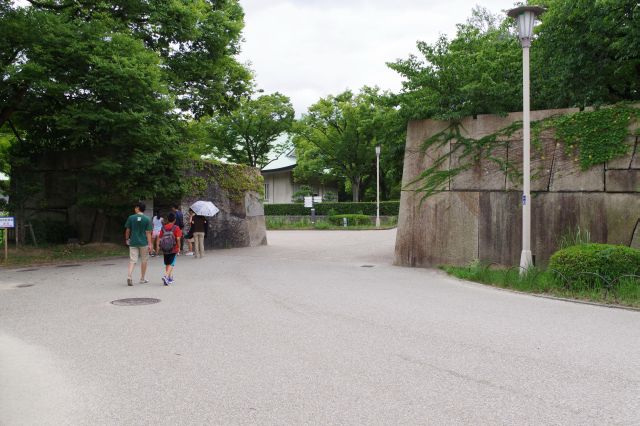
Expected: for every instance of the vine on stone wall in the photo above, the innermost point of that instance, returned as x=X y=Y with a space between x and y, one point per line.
x=235 y=179
x=591 y=137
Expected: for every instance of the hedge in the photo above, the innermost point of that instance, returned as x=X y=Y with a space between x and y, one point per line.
x=387 y=208
x=352 y=219
x=578 y=263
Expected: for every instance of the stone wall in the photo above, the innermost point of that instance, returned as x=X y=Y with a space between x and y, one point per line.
x=54 y=184
x=240 y=222
x=479 y=213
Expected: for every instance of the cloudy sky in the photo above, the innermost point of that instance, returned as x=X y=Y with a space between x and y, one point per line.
x=307 y=49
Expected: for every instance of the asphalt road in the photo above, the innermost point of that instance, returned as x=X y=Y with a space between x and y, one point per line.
x=299 y=332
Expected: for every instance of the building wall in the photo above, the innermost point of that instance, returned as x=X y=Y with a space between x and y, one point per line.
x=280 y=187
x=479 y=213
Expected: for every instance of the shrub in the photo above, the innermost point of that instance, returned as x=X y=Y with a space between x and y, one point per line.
x=303 y=191
x=387 y=208
x=352 y=219
x=330 y=197
x=577 y=263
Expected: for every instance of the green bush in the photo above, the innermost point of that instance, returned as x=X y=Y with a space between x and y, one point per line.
x=387 y=208
x=577 y=263
x=352 y=219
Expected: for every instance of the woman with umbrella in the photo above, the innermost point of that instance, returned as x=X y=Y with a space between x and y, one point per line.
x=199 y=224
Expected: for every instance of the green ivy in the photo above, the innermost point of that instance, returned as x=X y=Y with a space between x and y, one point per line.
x=235 y=179
x=592 y=137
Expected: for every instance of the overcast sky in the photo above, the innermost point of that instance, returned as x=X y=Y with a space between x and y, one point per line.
x=307 y=49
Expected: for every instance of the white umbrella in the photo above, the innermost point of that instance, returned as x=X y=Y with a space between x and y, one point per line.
x=204 y=208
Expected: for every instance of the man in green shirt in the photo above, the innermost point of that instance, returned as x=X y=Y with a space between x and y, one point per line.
x=138 y=238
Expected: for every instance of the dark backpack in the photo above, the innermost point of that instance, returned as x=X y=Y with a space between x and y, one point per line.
x=168 y=240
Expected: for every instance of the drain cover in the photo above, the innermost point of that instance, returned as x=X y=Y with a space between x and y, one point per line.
x=67 y=266
x=108 y=264
x=135 y=301
x=24 y=285
x=366 y=266
x=27 y=270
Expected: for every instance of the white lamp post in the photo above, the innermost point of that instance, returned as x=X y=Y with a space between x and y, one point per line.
x=377 y=186
x=526 y=16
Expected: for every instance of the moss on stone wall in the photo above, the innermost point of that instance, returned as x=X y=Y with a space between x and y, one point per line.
x=235 y=179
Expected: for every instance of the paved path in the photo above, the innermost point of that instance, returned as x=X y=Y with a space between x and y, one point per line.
x=298 y=332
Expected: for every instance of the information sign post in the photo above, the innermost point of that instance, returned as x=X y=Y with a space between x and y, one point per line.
x=6 y=222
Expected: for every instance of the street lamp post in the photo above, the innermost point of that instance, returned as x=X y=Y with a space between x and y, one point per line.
x=377 y=186
x=526 y=17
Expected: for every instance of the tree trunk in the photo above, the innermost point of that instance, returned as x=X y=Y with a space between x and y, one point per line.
x=355 y=189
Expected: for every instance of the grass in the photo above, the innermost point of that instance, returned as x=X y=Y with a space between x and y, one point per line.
x=278 y=223
x=61 y=253
x=538 y=281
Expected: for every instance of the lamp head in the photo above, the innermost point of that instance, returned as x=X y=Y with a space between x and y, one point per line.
x=377 y=149
x=526 y=16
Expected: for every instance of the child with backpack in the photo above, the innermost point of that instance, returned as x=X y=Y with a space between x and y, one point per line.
x=169 y=243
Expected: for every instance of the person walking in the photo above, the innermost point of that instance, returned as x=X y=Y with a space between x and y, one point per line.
x=169 y=242
x=179 y=219
x=199 y=227
x=157 y=226
x=137 y=235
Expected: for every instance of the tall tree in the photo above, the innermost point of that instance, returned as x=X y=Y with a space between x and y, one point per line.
x=116 y=82
x=338 y=135
x=248 y=134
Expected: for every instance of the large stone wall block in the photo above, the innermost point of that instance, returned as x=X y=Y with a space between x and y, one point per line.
x=567 y=175
x=443 y=230
x=542 y=158
x=623 y=180
x=624 y=162
x=500 y=228
x=484 y=174
x=622 y=214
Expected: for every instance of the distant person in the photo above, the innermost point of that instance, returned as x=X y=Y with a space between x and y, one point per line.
x=138 y=237
x=189 y=234
x=157 y=226
x=199 y=225
x=179 y=218
x=169 y=243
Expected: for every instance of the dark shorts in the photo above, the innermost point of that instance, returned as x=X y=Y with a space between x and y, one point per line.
x=170 y=259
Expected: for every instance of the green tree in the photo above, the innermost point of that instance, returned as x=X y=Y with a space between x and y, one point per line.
x=248 y=134
x=478 y=71
x=338 y=135
x=587 y=53
x=117 y=83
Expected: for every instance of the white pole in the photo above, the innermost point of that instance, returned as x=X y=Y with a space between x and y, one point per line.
x=526 y=260
x=377 y=188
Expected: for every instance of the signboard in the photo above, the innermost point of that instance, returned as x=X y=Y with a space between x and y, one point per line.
x=317 y=199
x=7 y=222
x=308 y=202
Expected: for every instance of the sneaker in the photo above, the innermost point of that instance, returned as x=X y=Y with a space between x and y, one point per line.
x=129 y=282
x=165 y=280
x=143 y=281
x=170 y=280
x=189 y=253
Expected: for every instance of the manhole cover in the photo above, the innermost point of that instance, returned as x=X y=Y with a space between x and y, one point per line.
x=27 y=270
x=67 y=266
x=366 y=266
x=135 y=301
x=24 y=285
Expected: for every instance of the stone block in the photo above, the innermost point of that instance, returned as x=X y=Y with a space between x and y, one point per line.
x=566 y=174
x=253 y=204
x=622 y=212
x=417 y=159
x=443 y=230
x=623 y=180
x=635 y=240
x=484 y=174
x=541 y=165
x=500 y=228
x=624 y=162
